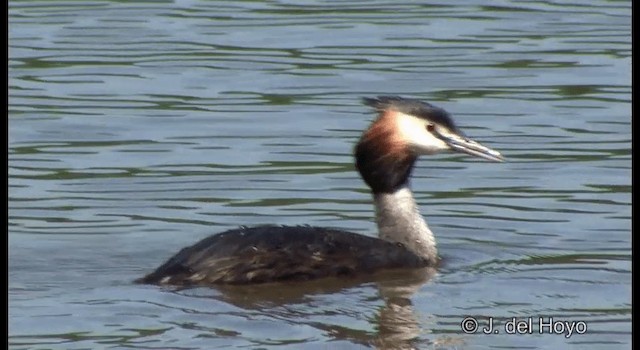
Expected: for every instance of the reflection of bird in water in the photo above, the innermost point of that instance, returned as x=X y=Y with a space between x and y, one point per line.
x=393 y=325
x=385 y=156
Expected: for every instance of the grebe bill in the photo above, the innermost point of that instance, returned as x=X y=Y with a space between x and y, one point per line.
x=385 y=156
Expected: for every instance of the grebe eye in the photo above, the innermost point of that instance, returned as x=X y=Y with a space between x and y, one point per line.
x=431 y=127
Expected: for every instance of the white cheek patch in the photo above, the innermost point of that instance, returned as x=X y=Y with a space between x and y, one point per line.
x=414 y=131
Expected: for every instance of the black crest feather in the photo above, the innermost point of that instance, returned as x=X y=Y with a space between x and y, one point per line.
x=413 y=107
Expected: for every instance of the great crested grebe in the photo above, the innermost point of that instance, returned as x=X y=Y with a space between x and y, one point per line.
x=385 y=156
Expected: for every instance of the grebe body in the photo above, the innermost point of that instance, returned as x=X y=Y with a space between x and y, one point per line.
x=281 y=253
x=385 y=156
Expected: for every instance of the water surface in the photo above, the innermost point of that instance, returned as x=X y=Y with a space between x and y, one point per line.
x=136 y=128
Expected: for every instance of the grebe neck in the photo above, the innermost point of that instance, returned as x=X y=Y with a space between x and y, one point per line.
x=385 y=161
x=399 y=220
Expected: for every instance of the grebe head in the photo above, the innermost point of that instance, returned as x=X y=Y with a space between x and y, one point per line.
x=404 y=130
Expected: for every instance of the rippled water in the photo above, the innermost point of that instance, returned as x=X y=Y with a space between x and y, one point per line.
x=136 y=128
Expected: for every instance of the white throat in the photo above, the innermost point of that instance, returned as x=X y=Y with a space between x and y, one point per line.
x=399 y=220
